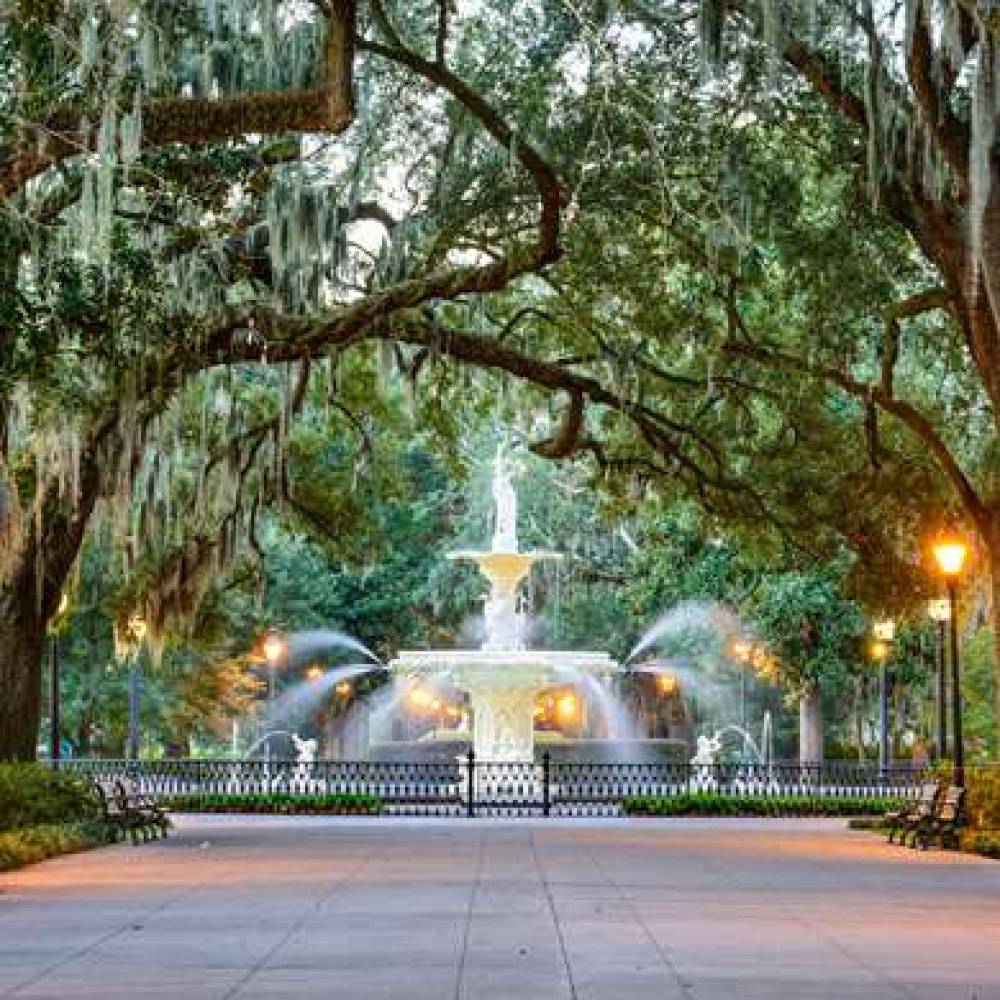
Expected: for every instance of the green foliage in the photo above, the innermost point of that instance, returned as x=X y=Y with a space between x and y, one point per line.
x=805 y=617
x=982 y=799
x=34 y=795
x=338 y=803
x=29 y=844
x=979 y=679
x=986 y=844
x=724 y=804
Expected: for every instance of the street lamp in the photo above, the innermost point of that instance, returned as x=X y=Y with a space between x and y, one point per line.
x=950 y=552
x=940 y=612
x=881 y=648
x=55 y=740
x=742 y=650
x=136 y=632
x=274 y=650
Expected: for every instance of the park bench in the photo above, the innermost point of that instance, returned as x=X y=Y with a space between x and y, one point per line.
x=944 y=822
x=145 y=806
x=903 y=821
x=112 y=808
x=128 y=812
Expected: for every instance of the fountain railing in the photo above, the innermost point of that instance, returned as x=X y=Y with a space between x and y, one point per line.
x=467 y=786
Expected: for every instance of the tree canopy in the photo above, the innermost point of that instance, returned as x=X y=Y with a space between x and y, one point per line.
x=734 y=254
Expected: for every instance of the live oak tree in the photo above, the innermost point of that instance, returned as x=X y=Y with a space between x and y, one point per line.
x=181 y=280
x=159 y=244
x=917 y=84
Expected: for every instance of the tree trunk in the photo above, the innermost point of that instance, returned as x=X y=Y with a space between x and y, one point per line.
x=811 y=727
x=992 y=540
x=22 y=644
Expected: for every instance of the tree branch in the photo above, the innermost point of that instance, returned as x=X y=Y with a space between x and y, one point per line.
x=199 y=120
x=908 y=414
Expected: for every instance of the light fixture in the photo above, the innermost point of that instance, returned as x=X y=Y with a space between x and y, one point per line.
x=879 y=650
x=667 y=684
x=274 y=646
x=567 y=707
x=950 y=552
x=939 y=609
x=741 y=650
x=884 y=630
x=343 y=688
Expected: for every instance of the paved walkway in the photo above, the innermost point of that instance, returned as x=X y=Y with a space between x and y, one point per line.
x=443 y=910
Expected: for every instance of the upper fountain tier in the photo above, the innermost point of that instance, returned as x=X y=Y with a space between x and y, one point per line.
x=504 y=566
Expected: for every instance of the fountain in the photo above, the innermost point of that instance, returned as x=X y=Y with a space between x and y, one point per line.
x=503 y=678
x=495 y=693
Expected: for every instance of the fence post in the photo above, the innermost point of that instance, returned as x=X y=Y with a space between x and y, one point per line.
x=470 y=803
x=546 y=773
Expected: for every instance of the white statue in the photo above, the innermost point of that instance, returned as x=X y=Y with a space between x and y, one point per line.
x=505 y=499
x=708 y=749
x=305 y=750
x=305 y=756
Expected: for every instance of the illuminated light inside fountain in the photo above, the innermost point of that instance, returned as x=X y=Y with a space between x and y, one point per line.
x=667 y=684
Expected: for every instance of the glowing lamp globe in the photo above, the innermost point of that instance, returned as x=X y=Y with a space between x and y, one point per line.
x=879 y=650
x=274 y=647
x=741 y=650
x=939 y=609
x=950 y=554
x=885 y=630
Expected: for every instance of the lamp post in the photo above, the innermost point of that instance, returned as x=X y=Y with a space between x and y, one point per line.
x=55 y=738
x=274 y=651
x=136 y=634
x=940 y=612
x=884 y=632
x=742 y=650
x=950 y=553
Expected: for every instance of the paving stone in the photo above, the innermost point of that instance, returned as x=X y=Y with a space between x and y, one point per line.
x=395 y=909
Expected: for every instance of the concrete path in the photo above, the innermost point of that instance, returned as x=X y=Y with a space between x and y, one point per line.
x=366 y=909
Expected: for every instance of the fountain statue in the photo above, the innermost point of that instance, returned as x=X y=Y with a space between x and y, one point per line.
x=504 y=677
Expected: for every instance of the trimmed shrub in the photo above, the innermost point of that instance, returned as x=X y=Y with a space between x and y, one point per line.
x=36 y=843
x=35 y=795
x=982 y=797
x=282 y=803
x=986 y=843
x=726 y=804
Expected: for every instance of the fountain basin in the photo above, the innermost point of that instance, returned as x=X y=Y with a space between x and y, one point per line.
x=497 y=669
x=502 y=686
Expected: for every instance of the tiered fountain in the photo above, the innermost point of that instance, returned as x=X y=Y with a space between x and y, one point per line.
x=503 y=678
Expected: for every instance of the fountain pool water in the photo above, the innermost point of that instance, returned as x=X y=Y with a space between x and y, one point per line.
x=504 y=678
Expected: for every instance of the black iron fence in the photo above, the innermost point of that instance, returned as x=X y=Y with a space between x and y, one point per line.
x=470 y=787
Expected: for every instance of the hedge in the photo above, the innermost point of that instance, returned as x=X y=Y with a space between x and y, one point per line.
x=338 y=804
x=35 y=795
x=723 y=804
x=36 y=843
